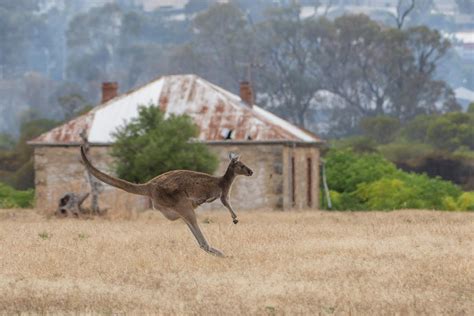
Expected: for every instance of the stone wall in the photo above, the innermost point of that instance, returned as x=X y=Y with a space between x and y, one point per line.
x=264 y=189
x=59 y=170
x=301 y=191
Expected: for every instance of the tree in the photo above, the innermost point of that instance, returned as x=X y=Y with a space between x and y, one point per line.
x=92 y=39
x=415 y=91
x=109 y=43
x=150 y=145
x=72 y=105
x=346 y=56
x=413 y=13
x=403 y=10
x=6 y=141
x=223 y=44
x=288 y=80
x=380 y=71
x=16 y=164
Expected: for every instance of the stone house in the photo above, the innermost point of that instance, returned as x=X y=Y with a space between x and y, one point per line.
x=284 y=158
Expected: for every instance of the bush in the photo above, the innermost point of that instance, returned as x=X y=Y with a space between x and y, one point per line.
x=151 y=145
x=452 y=131
x=346 y=169
x=457 y=166
x=407 y=190
x=465 y=202
x=388 y=194
x=345 y=201
x=449 y=131
x=358 y=144
x=11 y=198
x=417 y=129
x=369 y=182
x=405 y=152
x=382 y=129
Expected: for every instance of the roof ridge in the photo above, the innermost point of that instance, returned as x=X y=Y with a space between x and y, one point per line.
x=212 y=107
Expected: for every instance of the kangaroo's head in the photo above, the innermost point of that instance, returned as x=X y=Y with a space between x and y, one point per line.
x=237 y=166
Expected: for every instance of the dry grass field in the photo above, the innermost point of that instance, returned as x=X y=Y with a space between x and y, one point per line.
x=404 y=262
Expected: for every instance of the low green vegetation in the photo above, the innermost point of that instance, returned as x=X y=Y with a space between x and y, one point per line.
x=11 y=198
x=425 y=163
x=44 y=235
x=450 y=131
x=368 y=181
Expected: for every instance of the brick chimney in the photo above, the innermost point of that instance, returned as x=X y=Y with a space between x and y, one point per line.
x=246 y=93
x=109 y=91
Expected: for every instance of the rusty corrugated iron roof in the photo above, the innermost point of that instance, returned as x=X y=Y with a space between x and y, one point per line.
x=217 y=112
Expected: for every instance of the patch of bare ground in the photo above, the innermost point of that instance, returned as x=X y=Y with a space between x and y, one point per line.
x=404 y=262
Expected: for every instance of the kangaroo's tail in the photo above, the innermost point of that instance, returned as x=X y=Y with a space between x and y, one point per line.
x=141 y=189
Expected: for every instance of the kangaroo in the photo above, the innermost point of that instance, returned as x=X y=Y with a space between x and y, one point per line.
x=177 y=193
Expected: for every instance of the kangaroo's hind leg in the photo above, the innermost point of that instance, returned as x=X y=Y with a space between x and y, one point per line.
x=189 y=217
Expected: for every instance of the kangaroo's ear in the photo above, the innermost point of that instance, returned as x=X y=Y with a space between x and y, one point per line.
x=234 y=156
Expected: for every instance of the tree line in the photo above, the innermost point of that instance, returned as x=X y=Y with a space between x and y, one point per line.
x=308 y=70
x=364 y=68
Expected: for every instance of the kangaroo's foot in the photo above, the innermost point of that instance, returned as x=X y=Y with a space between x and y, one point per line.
x=213 y=251
x=234 y=218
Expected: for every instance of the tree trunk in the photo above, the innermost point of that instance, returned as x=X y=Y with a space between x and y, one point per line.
x=95 y=186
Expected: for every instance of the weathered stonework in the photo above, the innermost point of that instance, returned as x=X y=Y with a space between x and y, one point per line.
x=58 y=169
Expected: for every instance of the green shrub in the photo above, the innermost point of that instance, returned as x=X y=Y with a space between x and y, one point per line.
x=405 y=152
x=407 y=190
x=346 y=169
x=151 y=145
x=358 y=144
x=450 y=204
x=417 y=129
x=465 y=154
x=369 y=182
x=382 y=129
x=452 y=131
x=465 y=202
x=449 y=131
x=388 y=194
x=11 y=198
x=431 y=190
x=335 y=200
x=345 y=201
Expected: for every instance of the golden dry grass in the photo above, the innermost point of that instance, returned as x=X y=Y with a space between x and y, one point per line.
x=404 y=262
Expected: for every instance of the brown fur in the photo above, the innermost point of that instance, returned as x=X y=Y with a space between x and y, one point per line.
x=177 y=193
